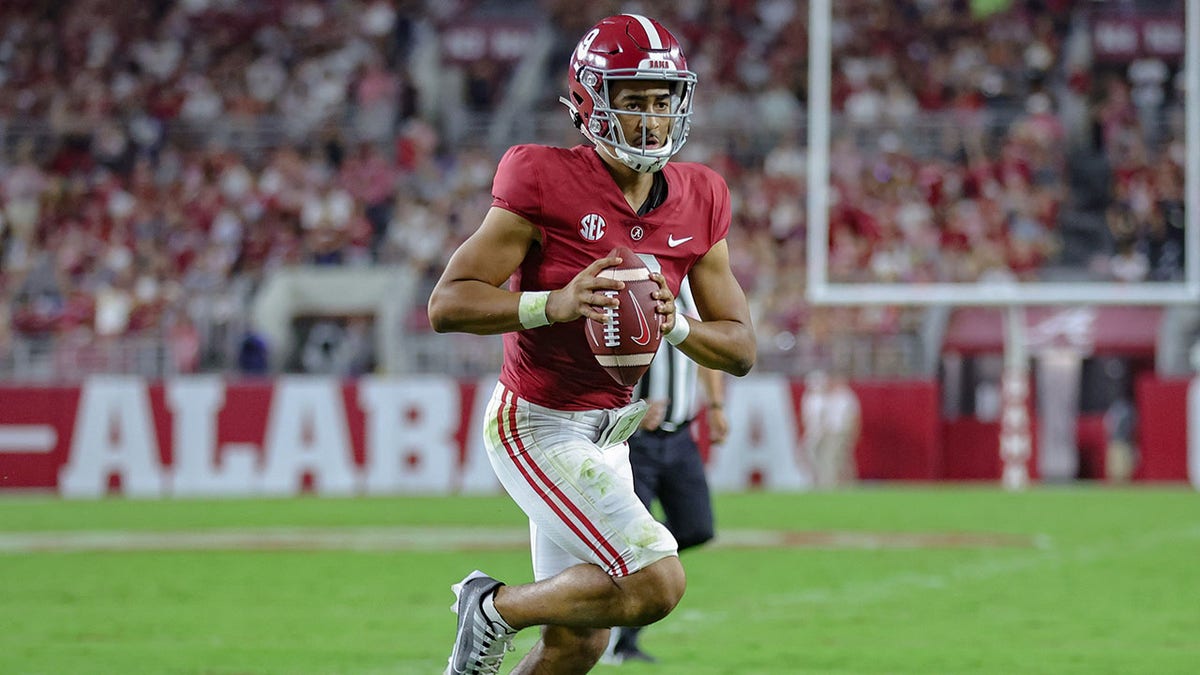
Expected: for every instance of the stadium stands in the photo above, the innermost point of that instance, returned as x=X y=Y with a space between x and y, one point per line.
x=158 y=160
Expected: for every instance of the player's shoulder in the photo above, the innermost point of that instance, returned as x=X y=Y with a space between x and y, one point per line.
x=537 y=154
x=697 y=183
x=700 y=175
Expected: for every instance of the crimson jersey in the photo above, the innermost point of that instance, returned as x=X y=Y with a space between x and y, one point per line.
x=582 y=215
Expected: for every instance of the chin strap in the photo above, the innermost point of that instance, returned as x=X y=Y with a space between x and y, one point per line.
x=576 y=118
x=611 y=152
x=636 y=162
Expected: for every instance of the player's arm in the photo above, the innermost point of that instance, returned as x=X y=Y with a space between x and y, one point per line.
x=713 y=382
x=724 y=338
x=470 y=297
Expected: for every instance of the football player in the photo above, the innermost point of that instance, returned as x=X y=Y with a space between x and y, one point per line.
x=530 y=271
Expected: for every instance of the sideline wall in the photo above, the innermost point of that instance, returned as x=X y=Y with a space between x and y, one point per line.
x=206 y=436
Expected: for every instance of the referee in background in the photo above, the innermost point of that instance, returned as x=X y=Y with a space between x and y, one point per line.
x=666 y=460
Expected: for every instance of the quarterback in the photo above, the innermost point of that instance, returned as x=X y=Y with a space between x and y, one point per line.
x=532 y=272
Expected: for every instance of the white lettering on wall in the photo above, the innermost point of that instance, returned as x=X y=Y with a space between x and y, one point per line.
x=410 y=443
x=200 y=469
x=762 y=439
x=114 y=434
x=417 y=439
x=477 y=476
x=307 y=433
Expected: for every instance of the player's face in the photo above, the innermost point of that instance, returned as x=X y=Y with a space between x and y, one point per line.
x=642 y=110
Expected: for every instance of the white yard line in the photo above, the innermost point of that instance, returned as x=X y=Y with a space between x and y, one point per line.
x=455 y=539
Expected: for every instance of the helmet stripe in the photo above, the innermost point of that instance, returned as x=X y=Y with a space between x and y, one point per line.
x=651 y=32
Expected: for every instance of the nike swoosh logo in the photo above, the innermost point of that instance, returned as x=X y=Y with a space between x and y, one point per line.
x=673 y=242
x=643 y=338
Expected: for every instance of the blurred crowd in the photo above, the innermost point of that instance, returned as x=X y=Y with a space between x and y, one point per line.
x=158 y=158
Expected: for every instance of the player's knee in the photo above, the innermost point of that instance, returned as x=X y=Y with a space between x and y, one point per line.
x=659 y=589
x=655 y=608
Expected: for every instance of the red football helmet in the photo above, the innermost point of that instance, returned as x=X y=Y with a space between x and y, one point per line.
x=629 y=47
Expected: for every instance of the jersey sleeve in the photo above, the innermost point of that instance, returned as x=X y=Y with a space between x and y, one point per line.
x=516 y=186
x=721 y=215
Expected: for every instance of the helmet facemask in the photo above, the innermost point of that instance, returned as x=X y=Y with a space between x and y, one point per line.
x=603 y=126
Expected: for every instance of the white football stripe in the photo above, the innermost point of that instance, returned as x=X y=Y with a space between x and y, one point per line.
x=651 y=32
x=624 y=360
x=640 y=274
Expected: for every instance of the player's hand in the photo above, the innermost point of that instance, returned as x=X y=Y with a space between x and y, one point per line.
x=666 y=302
x=584 y=295
x=655 y=414
x=718 y=425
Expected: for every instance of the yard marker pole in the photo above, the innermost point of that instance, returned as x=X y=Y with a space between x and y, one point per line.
x=1015 y=443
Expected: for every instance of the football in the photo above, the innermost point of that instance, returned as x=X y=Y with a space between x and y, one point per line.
x=625 y=343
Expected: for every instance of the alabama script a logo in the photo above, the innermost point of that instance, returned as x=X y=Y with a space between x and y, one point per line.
x=591 y=227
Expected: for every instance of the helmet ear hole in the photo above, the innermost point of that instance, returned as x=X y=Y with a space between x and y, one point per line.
x=578 y=99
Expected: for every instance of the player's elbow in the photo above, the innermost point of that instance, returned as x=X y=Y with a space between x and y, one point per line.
x=735 y=363
x=744 y=353
x=440 y=325
x=734 y=352
x=742 y=364
x=441 y=316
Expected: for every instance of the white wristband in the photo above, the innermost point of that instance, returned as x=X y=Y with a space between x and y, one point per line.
x=679 y=331
x=532 y=309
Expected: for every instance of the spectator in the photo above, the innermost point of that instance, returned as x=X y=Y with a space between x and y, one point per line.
x=1129 y=264
x=832 y=420
x=1121 y=453
x=370 y=178
x=326 y=219
x=193 y=137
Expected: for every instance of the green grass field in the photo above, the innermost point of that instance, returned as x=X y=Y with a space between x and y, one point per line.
x=1052 y=580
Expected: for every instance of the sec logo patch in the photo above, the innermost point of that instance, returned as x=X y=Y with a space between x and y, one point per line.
x=591 y=226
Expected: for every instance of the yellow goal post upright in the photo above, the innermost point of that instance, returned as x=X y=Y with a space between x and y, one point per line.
x=1015 y=442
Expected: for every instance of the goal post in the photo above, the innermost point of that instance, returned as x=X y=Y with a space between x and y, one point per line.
x=1013 y=296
